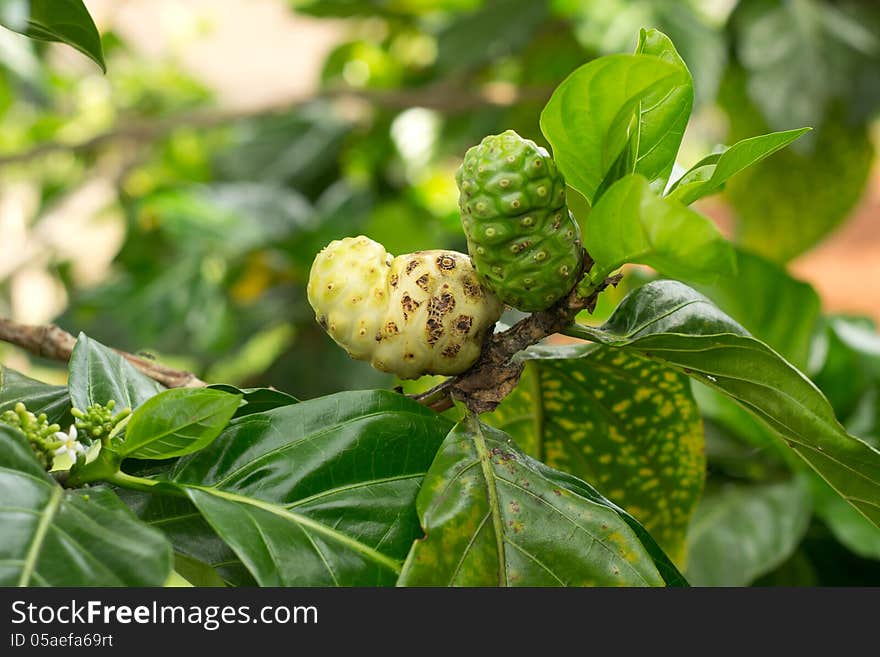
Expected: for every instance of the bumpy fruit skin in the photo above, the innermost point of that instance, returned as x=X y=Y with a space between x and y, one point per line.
x=349 y=293
x=419 y=313
x=524 y=242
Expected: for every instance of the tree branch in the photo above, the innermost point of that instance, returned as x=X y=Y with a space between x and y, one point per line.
x=441 y=97
x=55 y=343
x=494 y=375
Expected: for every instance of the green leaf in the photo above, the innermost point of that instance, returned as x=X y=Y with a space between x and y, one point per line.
x=495 y=517
x=56 y=537
x=189 y=533
x=256 y=400
x=662 y=114
x=772 y=305
x=177 y=422
x=67 y=21
x=848 y=525
x=741 y=532
x=39 y=397
x=99 y=374
x=671 y=322
x=321 y=492
x=589 y=118
x=632 y=224
x=709 y=175
x=626 y=425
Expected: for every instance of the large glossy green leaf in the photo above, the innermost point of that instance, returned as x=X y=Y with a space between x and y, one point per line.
x=177 y=422
x=626 y=425
x=57 y=537
x=98 y=374
x=188 y=532
x=67 y=21
x=771 y=304
x=495 y=517
x=741 y=532
x=662 y=114
x=39 y=397
x=671 y=322
x=632 y=224
x=589 y=119
x=710 y=174
x=321 y=492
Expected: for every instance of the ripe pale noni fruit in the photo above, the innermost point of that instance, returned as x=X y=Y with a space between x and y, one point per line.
x=419 y=313
x=524 y=242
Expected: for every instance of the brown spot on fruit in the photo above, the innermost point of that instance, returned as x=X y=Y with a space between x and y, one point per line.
x=442 y=305
x=409 y=305
x=422 y=281
x=452 y=350
x=378 y=336
x=433 y=330
x=393 y=280
x=471 y=287
x=463 y=323
x=391 y=328
x=438 y=307
x=445 y=262
x=322 y=320
x=412 y=264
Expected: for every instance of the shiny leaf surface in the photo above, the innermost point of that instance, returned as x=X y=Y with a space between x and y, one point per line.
x=67 y=21
x=177 y=422
x=588 y=118
x=98 y=374
x=321 y=492
x=495 y=517
x=632 y=224
x=671 y=322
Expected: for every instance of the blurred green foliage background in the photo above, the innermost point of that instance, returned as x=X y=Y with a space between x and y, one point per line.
x=175 y=204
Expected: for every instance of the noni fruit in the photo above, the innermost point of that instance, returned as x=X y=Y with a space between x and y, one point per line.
x=524 y=242
x=419 y=313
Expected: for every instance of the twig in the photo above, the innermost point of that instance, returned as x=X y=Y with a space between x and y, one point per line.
x=495 y=375
x=440 y=97
x=55 y=343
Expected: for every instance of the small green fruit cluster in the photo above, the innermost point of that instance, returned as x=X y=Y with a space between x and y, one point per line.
x=414 y=314
x=524 y=242
x=40 y=434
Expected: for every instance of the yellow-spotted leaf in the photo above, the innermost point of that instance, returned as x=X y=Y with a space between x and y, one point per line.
x=627 y=425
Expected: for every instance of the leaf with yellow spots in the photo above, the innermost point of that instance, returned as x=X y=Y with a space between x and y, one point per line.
x=493 y=516
x=676 y=326
x=627 y=425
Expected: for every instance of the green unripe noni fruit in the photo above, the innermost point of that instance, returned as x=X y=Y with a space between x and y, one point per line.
x=419 y=313
x=524 y=242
